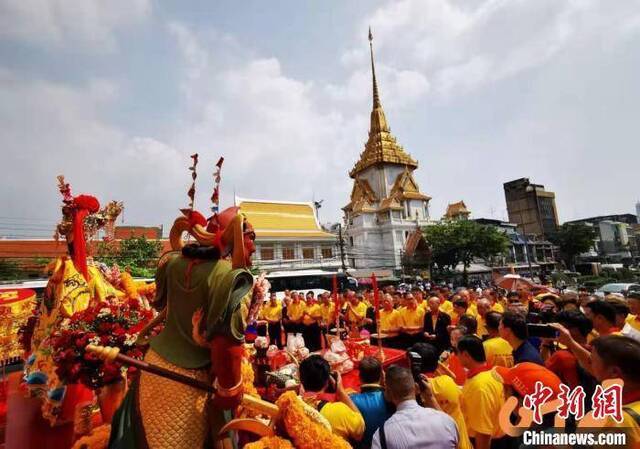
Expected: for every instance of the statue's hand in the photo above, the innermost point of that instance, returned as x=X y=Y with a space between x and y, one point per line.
x=196 y=319
x=261 y=287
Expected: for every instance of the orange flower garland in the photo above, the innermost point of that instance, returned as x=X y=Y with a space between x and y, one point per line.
x=305 y=432
x=270 y=443
x=98 y=439
x=128 y=285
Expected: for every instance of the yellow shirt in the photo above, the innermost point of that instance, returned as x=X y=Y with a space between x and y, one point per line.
x=295 y=311
x=448 y=395
x=498 y=352
x=344 y=421
x=312 y=313
x=389 y=320
x=356 y=313
x=497 y=307
x=629 y=425
x=271 y=313
x=482 y=326
x=412 y=318
x=327 y=312
x=446 y=307
x=482 y=399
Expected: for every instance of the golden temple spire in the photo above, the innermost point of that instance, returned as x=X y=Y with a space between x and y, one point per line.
x=381 y=147
x=376 y=96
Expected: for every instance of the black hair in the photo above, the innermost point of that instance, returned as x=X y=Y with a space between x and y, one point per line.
x=517 y=323
x=619 y=305
x=429 y=354
x=370 y=370
x=620 y=351
x=399 y=382
x=575 y=319
x=512 y=294
x=314 y=373
x=196 y=251
x=604 y=309
x=472 y=345
x=492 y=320
x=470 y=322
x=461 y=303
x=633 y=295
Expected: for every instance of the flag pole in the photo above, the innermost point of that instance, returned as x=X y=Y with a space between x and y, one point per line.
x=376 y=309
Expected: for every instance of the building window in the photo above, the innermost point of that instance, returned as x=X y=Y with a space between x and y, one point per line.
x=288 y=253
x=266 y=252
x=327 y=252
x=307 y=253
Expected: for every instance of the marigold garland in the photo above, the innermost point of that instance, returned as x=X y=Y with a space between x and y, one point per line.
x=128 y=285
x=97 y=439
x=305 y=432
x=270 y=443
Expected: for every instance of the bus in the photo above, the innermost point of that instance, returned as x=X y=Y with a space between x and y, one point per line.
x=303 y=281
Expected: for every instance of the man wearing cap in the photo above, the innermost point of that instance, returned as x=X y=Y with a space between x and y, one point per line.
x=632 y=324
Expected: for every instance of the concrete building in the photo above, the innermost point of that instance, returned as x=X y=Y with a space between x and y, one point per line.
x=531 y=207
x=525 y=252
x=386 y=203
x=288 y=236
x=616 y=238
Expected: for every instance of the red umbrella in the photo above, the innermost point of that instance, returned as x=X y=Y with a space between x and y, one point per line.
x=514 y=282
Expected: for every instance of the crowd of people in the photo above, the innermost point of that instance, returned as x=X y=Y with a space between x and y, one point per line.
x=468 y=351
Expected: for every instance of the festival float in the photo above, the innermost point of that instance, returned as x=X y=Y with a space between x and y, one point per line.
x=168 y=365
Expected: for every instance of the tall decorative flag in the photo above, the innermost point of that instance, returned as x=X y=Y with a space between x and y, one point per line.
x=215 y=197
x=376 y=308
x=335 y=302
x=192 y=190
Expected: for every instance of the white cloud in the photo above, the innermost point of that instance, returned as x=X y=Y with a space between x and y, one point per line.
x=86 y=23
x=461 y=47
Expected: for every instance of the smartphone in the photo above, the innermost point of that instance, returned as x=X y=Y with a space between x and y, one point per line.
x=542 y=331
x=415 y=362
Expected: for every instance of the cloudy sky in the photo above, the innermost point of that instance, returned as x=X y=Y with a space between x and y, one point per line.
x=116 y=94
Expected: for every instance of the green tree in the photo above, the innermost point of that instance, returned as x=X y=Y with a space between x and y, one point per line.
x=573 y=239
x=460 y=242
x=10 y=270
x=138 y=254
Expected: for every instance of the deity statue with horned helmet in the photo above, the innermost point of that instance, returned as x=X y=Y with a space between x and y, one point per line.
x=200 y=289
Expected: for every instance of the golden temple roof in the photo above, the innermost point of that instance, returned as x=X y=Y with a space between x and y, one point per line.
x=457 y=209
x=381 y=147
x=287 y=220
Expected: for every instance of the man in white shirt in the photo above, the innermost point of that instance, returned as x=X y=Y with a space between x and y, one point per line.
x=412 y=426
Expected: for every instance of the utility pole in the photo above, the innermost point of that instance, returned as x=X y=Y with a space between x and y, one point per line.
x=341 y=244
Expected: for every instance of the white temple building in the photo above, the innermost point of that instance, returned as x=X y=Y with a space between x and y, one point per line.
x=386 y=203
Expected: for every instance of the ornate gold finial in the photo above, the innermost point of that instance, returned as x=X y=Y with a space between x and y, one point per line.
x=376 y=96
x=106 y=353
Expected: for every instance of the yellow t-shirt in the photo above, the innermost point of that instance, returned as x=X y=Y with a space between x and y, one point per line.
x=412 y=318
x=482 y=399
x=497 y=307
x=498 y=352
x=344 y=421
x=448 y=395
x=482 y=326
x=357 y=313
x=389 y=319
x=447 y=307
x=629 y=425
x=327 y=312
x=312 y=313
x=295 y=311
x=271 y=313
